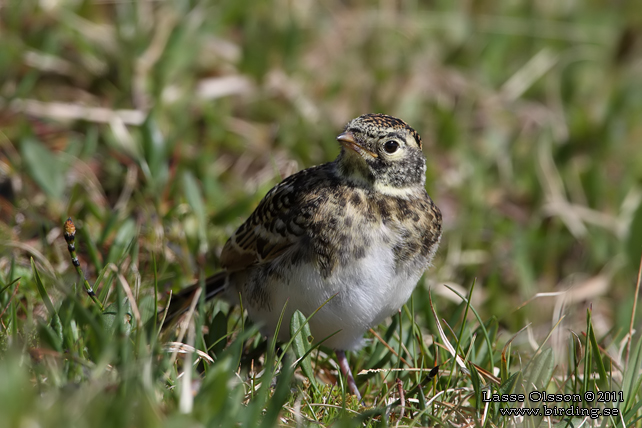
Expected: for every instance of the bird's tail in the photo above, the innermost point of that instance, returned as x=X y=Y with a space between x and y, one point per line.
x=180 y=303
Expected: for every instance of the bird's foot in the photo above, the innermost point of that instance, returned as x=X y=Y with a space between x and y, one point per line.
x=347 y=373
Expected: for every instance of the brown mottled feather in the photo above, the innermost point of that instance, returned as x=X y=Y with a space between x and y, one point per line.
x=273 y=227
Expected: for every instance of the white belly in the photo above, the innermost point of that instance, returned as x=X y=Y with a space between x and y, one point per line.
x=365 y=293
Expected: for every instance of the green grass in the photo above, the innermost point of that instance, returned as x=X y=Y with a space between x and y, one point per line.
x=158 y=126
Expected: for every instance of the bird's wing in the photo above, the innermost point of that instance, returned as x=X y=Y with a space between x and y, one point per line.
x=279 y=221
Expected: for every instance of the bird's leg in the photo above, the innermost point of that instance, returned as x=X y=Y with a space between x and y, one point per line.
x=347 y=373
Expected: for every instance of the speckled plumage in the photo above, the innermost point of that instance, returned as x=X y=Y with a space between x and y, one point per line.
x=360 y=231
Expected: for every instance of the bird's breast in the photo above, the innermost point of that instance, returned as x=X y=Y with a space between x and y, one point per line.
x=362 y=289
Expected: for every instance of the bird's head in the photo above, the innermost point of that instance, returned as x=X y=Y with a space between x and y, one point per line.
x=382 y=152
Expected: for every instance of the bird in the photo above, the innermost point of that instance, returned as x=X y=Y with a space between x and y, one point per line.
x=351 y=237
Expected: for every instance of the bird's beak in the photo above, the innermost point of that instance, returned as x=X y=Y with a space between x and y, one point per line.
x=347 y=140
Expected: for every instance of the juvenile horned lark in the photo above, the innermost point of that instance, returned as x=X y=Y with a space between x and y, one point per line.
x=360 y=231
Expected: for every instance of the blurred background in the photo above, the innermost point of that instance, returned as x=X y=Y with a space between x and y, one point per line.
x=159 y=125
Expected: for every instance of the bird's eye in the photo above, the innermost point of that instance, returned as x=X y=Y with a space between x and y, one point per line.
x=391 y=146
